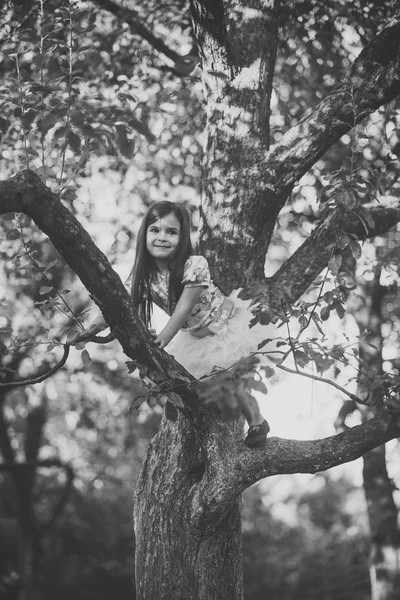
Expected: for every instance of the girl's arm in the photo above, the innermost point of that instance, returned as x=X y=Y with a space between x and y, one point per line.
x=188 y=299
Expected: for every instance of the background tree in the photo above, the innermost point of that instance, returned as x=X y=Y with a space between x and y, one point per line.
x=245 y=187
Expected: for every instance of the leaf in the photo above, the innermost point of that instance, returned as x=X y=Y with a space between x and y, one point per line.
x=258 y=386
x=132 y=366
x=136 y=403
x=61 y=131
x=172 y=374
x=142 y=129
x=171 y=412
x=71 y=333
x=4 y=124
x=8 y=217
x=264 y=343
x=334 y=264
x=77 y=117
x=74 y=142
x=175 y=399
x=339 y=310
x=54 y=68
x=268 y=371
x=45 y=289
x=13 y=234
x=162 y=399
x=152 y=401
x=48 y=122
x=355 y=249
x=85 y=356
x=51 y=264
x=343 y=241
x=28 y=117
x=125 y=146
x=69 y=194
x=325 y=313
x=264 y=318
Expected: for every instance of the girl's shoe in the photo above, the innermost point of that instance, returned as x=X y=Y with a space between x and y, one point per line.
x=257 y=434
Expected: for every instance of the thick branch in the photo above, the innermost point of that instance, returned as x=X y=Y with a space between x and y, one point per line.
x=216 y=493
x=278 y=457
x=238 y=45
x=373 y=80
x=26 y=193
x=137 y=28
x=301 y=269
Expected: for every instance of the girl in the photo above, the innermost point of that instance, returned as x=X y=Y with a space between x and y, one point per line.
x=206 y=329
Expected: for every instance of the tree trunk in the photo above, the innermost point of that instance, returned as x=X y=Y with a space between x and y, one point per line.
x=378 y=487
x=382 y=512
x=179 y=554
x=238 y=200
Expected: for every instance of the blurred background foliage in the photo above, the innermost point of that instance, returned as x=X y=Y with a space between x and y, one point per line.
x=113 y=125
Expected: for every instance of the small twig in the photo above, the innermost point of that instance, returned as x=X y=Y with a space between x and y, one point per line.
x=40 y=378
x=74 y=317
x=22 y=107
x=322 y=380
x=69 y=104
x=292 y=341
x=102 y=339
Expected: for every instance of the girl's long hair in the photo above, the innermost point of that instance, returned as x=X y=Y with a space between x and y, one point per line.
x=144 y=267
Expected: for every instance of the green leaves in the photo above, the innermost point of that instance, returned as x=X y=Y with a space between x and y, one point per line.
x=125 y=145
x=13 y=234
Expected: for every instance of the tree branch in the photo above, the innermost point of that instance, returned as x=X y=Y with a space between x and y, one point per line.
x=137 y=28
x=39 y=378
x=236 y=467
x=373 y=80
x=300 y=270
x=278 y=456
x=26 y=193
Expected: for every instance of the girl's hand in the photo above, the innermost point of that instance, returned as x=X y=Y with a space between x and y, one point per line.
x=160 y=342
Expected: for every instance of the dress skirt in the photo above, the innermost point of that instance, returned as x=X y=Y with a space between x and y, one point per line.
x=235 y=340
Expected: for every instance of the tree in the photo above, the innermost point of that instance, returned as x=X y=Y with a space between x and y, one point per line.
x=187 y=510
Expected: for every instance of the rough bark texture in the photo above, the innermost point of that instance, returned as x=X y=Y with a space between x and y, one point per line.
x=26 y=193
x=197 y=468
x=238 y=49
x=195 y=561
x=244 y=185
x=187 y=503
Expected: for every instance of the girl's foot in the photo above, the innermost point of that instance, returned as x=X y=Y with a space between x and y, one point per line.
x=257 y=434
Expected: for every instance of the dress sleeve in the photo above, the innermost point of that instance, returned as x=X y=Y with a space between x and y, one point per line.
x=196 y=272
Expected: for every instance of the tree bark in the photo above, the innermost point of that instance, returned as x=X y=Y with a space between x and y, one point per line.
x=237 y=45
x=378 y=487
x=177 y=556
x=209 y=494
x=245 y=186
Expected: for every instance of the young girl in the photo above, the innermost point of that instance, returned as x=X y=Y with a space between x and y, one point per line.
x=206 y=329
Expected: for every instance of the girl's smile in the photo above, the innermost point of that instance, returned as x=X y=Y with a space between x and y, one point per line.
x=162 y=239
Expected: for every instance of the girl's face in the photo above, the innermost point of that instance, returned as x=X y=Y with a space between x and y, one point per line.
x=162 y=239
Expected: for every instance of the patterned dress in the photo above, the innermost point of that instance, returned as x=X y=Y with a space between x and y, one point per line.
x=233 y=339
